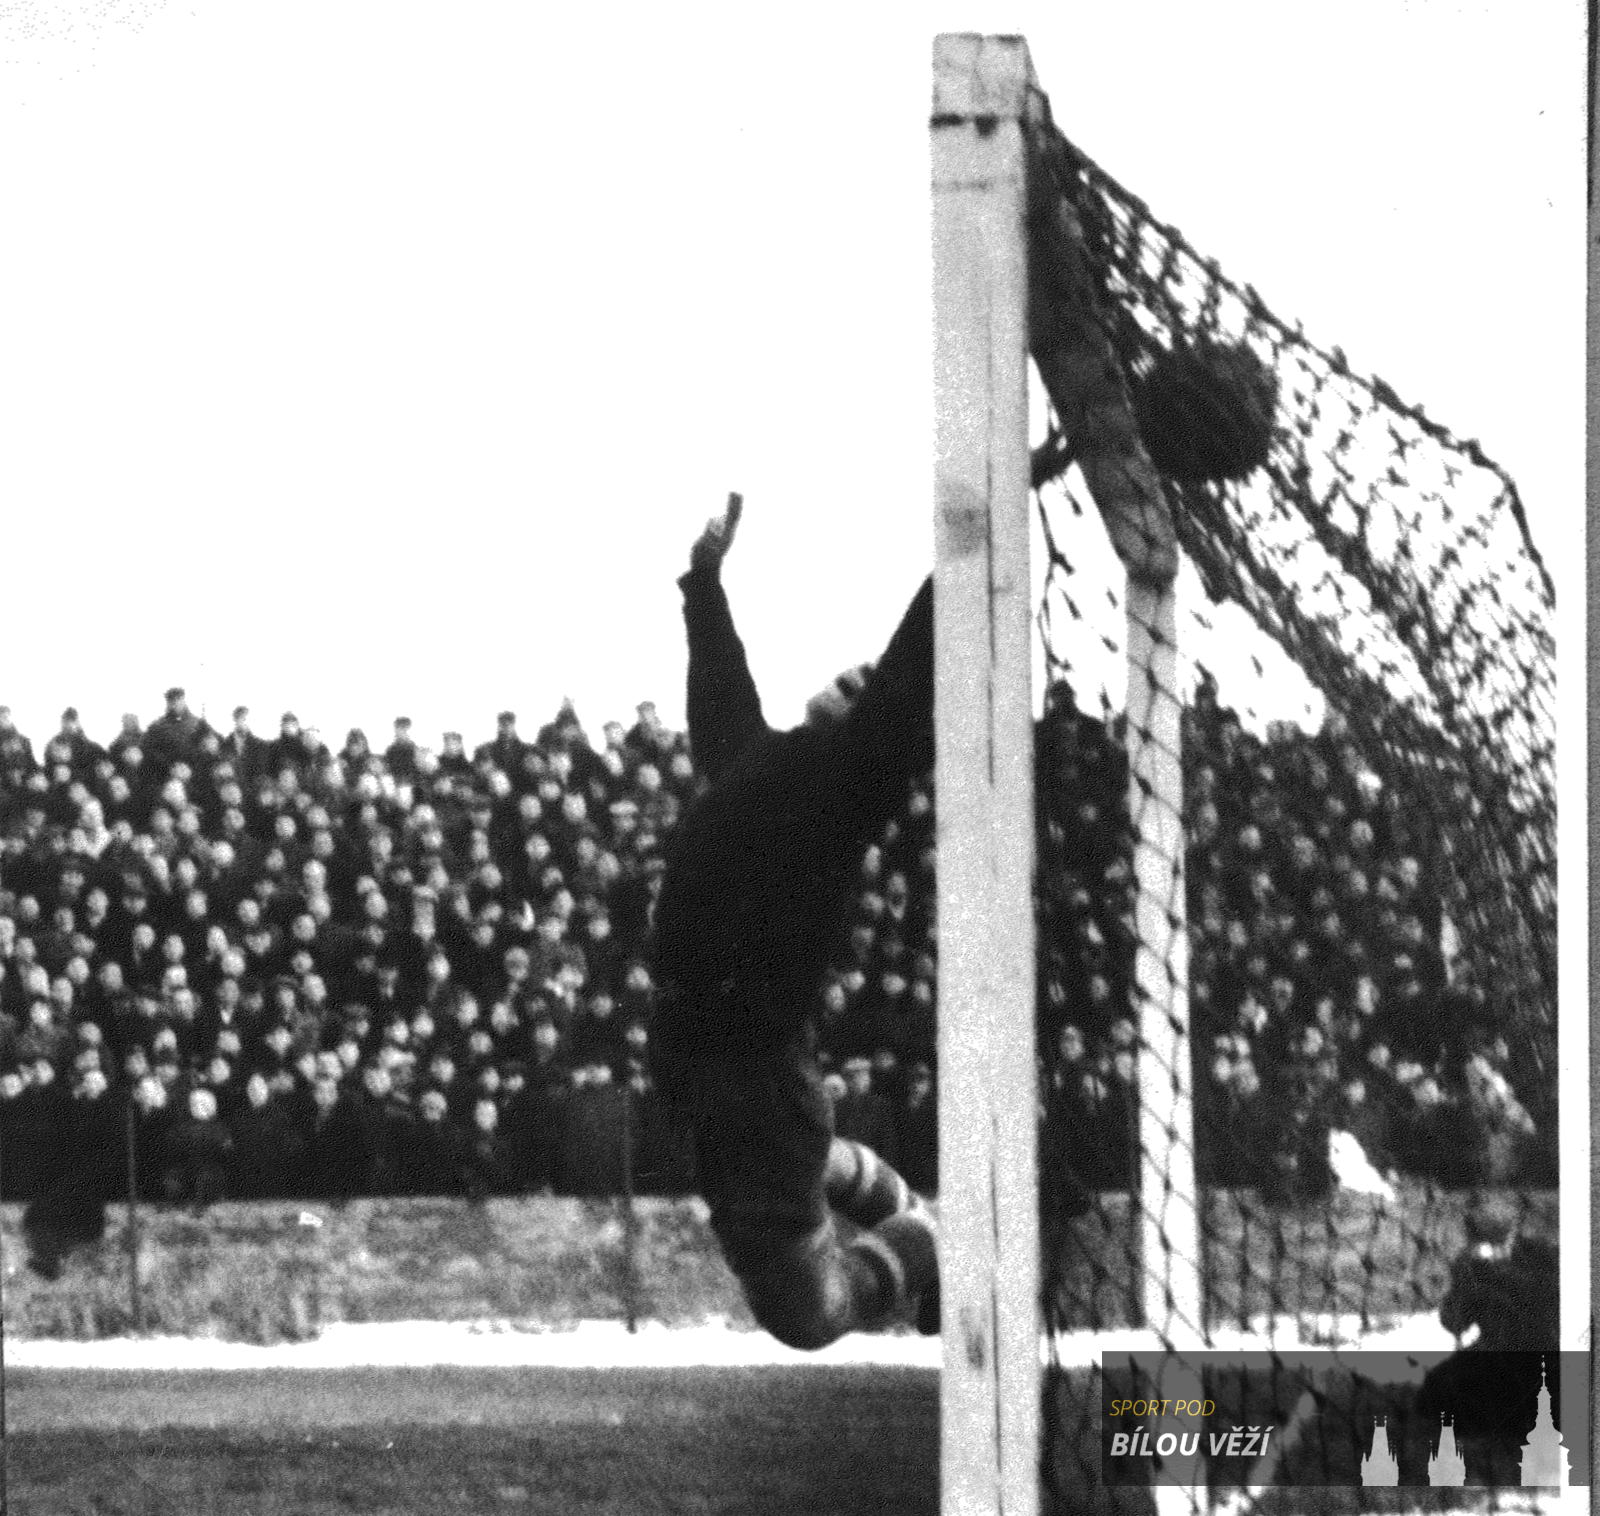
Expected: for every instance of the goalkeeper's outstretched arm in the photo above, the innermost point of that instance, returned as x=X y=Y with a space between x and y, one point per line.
x=724 y=706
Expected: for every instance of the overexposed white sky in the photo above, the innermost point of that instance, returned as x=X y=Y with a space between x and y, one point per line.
x=367 y=358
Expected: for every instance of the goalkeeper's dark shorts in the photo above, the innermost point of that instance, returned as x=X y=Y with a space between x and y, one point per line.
x=762 y=1126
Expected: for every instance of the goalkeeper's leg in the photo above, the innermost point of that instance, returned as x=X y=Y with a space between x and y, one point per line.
x=868 y=1191
x=769 y=1167
x=812 y=1289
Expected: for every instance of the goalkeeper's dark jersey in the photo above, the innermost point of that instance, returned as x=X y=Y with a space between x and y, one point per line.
x=760 y=873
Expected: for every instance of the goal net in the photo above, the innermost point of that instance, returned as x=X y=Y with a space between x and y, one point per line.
x=1282 y=658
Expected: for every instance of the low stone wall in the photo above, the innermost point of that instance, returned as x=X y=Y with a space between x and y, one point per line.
x=268 y=1272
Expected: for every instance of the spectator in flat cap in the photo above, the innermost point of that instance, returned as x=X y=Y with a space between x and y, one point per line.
x=400 y=758
x=74 y=748
x=507 y=750
x=175 y=735
x=131 y=734
x=453 y=760
x=291 y=749
x=16 y=753
x=243 y=750
x=356 y=754
x=649 y=734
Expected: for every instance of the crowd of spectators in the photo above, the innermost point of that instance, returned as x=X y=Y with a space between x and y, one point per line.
x=1326 y=985
x=289 y=970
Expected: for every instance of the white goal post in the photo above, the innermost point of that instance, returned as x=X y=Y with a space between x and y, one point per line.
x=983 y=776
x=983 y=621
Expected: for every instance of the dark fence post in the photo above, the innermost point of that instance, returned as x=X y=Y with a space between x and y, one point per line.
x=630 y=1218
x=134 y=1297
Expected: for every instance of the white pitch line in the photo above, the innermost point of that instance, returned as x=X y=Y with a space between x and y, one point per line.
x=608 y=1344
x=427 y=1344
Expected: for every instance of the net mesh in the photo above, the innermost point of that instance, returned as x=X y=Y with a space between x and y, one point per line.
x=1358 y=939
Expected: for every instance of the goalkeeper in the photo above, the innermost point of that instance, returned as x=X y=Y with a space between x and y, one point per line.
x=824 y=1236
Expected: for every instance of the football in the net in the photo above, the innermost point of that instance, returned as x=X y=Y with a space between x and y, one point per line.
x=1206 y=412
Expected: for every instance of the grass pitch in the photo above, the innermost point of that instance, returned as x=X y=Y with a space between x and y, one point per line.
x=770 y=1440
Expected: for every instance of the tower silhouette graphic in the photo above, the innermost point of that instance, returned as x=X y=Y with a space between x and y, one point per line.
x=1379 y=1467
x=1544 y=1457
x=1447 y=1467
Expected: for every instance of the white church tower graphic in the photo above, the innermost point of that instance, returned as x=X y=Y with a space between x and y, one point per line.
x=1379 y=1467
x=1447 y=1466
x=1544 y=1457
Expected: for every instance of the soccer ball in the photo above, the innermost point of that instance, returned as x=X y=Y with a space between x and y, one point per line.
x=1205 y=412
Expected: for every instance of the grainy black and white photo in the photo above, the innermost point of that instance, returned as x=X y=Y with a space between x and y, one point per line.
x=767 y=761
